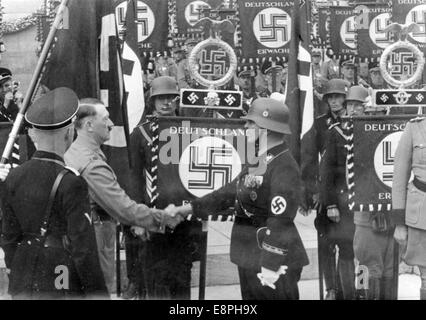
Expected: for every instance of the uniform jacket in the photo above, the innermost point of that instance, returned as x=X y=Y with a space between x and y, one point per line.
x=266 y=202
x=32 y=266
x=86 y=156
x=334 y=166
x=408 y=202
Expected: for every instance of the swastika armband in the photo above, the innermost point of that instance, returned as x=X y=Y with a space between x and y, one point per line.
x=278 y=205
x=275 y=250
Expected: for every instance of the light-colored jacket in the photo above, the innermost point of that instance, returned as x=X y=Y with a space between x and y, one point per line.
x=86 y=156
x=408 y=202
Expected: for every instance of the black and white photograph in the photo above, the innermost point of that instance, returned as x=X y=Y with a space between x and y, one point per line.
x=202 y=157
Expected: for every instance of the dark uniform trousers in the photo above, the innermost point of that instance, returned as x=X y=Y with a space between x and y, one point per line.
x=70 y=238
x=166 y=259
x=335 y=193
x=263 y=234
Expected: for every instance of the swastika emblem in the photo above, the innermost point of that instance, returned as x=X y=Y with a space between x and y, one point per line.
x=272 y=27
x=348 y=32
x=193 y=10
x=420 y=97
x=384 y=97
x=278 y=205
x=145 y=20
x=402 y=64
x=193 y=98
x=418 y=15
x=230 y=99
x=379 y=23
x=384 y=157
x=213 y=63
x=207 y=164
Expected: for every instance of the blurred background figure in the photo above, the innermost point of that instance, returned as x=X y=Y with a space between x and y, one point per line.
x=10 y=96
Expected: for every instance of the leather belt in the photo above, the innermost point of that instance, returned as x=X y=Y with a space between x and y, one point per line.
x=419 y=184
x=51 y=241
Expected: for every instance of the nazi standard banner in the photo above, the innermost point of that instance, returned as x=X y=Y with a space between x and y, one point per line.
x=407 y=12
x=188 y=13
x=151 y=18
x=375 y=143
x=197 y=156
x=343 y=31
x=265 y=28
x=371 y=41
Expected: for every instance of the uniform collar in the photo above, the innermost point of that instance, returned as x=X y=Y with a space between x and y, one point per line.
x=89 y=143
x=47 y=155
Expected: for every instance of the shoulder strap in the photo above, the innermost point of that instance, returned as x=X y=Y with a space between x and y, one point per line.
x=52 y=195
x=145 y=134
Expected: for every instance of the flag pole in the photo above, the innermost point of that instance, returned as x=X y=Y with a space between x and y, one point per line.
x=33 y=84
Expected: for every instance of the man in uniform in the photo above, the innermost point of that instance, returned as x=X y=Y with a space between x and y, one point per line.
x=166 y=261
x=330 y=69
x=373 y=240
x=8 y=99
x=48 y=235
x=184 y=77
x=275 y=73
x=109 y=202
x=334 y=98
x=265 y=244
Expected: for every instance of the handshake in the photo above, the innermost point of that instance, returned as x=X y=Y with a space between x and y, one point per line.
x=170 y=217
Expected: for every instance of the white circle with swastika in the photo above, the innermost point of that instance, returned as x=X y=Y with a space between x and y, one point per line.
x=418 y=15
x=193 y=10
x=380 y=39
x=348 y=32
x=208 y=164
x=145 y=19
x=272 y=27
x=384 y=157
x=278 y=205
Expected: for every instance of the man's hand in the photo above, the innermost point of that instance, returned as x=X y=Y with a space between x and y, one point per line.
x=268 y=277
x=140 y=232
x=333 y=214
x=4 y=171
x=401 y=234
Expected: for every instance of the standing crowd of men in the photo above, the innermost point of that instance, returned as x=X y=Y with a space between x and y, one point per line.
x=85 y=199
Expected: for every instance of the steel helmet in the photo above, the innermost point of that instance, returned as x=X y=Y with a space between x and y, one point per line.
x=269 y=114
x=357 y=93
x=338 y=86
x=164 y=85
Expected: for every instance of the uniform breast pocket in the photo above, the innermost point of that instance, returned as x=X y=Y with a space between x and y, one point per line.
x=416 y=207
x=419 y=153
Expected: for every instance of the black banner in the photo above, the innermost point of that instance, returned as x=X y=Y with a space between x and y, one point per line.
x=218 y=99
x=188 y=13
x=197 y=156
x=407 y=12
x=343 y=31
x=375 y=143
x=371 y=41
x=151 y=21
x=400 y=98
x=266 y=28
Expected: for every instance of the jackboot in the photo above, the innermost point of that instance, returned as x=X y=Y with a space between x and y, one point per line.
x=346 y=270
x=373 y=289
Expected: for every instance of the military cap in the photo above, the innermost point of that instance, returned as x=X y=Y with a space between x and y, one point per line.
x=192 y=41
x=267 y=66
x=54 y=110
x=348 y=63
x=5 y=75
x=336 y=86
x=373 y=67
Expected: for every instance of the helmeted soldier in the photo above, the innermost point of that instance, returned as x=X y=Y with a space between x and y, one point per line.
x=334 y=97
x=265 y=244
x=355 y=100
x=167 y=260
x=47 y=224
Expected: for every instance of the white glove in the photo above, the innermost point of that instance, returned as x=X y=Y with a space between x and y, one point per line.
x=140 y=232
x=268 y=277
x=4 y=171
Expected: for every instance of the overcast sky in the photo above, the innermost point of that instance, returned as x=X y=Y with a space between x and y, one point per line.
x=21 y=6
